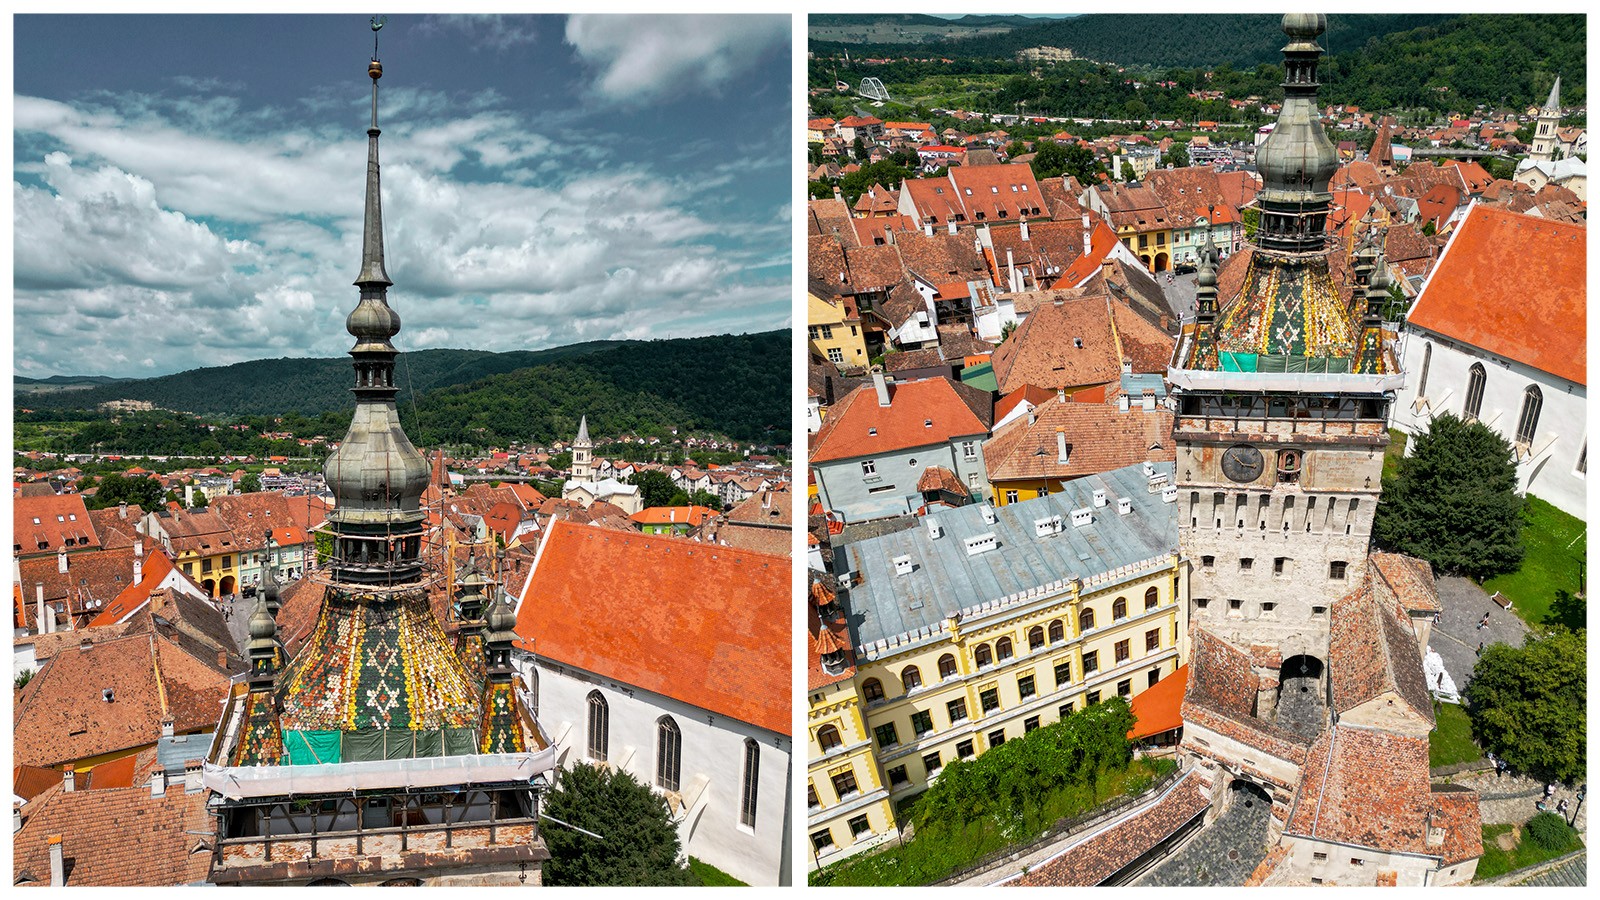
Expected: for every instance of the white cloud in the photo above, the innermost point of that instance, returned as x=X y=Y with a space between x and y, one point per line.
x=144 y=246
x=643 y=57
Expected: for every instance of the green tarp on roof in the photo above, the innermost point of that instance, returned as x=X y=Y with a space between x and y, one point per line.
x=980 y=376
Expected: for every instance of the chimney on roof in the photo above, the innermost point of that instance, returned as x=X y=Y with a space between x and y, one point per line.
x=1061 y=444
x=58 y=864
x=882 y=387
x=952 y=225
x=1024 y=229
x=166 y=726
x=39 y=617
x=1122 y=401
x=86 y=644
x=61 y=560
x=192 y=769
x=1127 y=365
x=158 y=781
x=1033 y=415
x=1148 y=400
x=122 y=510
x=838 y=194
x=222 y=659
x=888 y=234
x=69 y=778
x=927 y=228
x=1011 y=266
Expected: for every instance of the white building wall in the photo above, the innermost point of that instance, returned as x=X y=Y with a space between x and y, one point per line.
x=1551 y=472
x=713 y=756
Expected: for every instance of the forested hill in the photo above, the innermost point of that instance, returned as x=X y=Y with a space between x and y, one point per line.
x=737 y=385
x=1183 y=40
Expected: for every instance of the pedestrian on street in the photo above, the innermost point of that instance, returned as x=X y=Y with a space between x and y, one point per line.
x=1479 y=651
x=1483 y=621
x=1550 y=789
x=1562 y=807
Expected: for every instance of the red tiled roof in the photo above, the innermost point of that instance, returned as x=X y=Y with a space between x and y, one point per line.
x=118 y=837
x=1160 y=707
x=1105 y=854
x=1369 y=788
x=1099 y=438
x=1514 y=285
x=29 y=782
x=1409 y=579
x=674 y=515
x=60 y=517
x=858 y=426
x=63 y=716
x=703 y=624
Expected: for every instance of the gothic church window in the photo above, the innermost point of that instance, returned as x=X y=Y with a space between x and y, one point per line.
x=1528 y=421
x=1475 y=379
x=669 y=754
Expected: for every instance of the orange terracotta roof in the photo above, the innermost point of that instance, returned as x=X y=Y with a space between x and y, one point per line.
x=621 y=605
x=118 y=837
x=60 y=517
x=1160 y=707
x=155 y=568
x=1099 y=438
x=1514 y=285
x=63 y=716
x=920 y=413
x=674 y=515
x=29 y=782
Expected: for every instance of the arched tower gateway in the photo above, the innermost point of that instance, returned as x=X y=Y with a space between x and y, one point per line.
x=384 y=751
x=1282 y=386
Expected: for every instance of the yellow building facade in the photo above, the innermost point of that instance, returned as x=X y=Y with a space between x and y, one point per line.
x=995 y=678
x=835 y=332
x=847 y=804
x=218 y=573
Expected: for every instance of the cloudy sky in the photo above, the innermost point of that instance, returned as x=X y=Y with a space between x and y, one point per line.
x=188 y=189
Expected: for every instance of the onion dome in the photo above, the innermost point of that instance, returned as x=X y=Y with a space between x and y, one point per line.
x=1304 y=26
x=262 y=627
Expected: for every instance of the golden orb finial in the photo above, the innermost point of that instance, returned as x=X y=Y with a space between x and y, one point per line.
x=375 y=69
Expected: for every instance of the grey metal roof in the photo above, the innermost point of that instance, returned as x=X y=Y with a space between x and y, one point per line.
x=944 y=579
x=173 y=752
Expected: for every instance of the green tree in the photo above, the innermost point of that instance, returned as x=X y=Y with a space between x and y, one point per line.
x=562 y=461
x=1177 y=155
x=655 y=488
x=678 y=498
x=1049 y=160
x=638 y=843
x=1128 y=174
x=1454 y=501
x=1082 y=165
x=250 y=483
x=1528 y=704
x=706 y=498
x=200 y=501
x=1251 y=217
x=116 y=488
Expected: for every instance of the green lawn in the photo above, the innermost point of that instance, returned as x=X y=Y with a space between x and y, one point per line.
x=711 y=876
x=1451 y=741
x=934 y=855
x=1393 y=454
x=1527 y=852
x=1553 y=562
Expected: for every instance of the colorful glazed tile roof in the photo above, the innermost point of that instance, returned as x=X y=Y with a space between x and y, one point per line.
x=1292 y=309
x=377 y=662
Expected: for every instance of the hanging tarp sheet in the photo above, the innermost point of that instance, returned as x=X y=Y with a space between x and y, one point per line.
x=235 y=782
x=460 y=741
x=1237 y=362
x=367 y=744
x=310 y=748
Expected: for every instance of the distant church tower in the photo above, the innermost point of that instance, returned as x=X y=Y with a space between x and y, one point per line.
x=386 y=751
x=1545 y=141
x=1282 y=395
x=583 y=453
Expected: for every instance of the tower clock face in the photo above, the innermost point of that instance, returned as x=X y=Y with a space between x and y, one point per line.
x=1242 y=463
